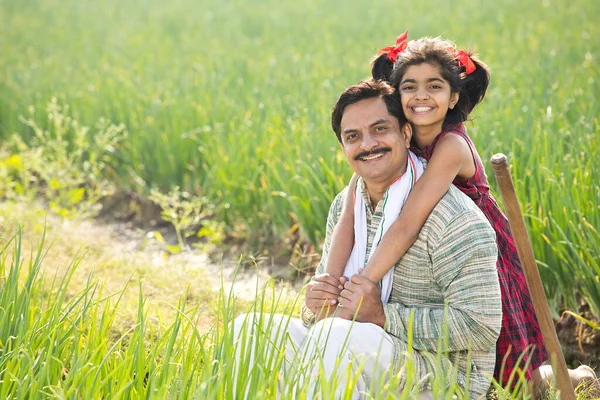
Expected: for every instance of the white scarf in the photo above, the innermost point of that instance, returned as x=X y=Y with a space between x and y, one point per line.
x=393 y=201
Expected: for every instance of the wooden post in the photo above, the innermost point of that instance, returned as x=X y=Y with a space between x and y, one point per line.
x=525 y=251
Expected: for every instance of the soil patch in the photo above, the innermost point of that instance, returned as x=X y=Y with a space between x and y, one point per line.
x=580 y=342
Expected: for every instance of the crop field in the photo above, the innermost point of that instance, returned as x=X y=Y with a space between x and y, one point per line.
x=229 y=101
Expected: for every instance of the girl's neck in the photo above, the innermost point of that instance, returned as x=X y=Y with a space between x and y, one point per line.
x=424 y=136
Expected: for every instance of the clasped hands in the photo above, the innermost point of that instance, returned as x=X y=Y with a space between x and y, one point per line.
x=327 y=296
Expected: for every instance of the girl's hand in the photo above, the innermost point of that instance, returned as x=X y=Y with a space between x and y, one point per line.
x=368 y=273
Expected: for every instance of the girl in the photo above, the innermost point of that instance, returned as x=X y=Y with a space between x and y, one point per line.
x=439 y=86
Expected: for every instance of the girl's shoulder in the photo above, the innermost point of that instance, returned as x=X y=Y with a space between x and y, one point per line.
x=458 y=129
x=459 y=133
x=448 y=134
x=453 y=140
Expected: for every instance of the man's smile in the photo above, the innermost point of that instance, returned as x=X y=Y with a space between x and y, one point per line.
x=373 y=155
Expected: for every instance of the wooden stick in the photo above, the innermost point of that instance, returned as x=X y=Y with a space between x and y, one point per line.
x=540 y=303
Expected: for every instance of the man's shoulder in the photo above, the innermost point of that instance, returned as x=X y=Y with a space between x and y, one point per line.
x=454 y=204
x=456 y=209
x=339 y=198
x=457 y=225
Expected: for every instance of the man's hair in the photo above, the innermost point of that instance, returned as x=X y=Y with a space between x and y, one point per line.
x=367 y=89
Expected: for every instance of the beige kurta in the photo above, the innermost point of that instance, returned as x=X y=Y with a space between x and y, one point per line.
x=453 y=263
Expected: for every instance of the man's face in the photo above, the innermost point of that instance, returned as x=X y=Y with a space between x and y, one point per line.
x=372 y=140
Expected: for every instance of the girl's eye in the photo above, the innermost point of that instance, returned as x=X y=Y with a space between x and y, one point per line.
x=435 y=87
x=406 y=88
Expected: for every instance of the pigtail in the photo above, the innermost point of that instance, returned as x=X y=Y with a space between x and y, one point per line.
x=381 y=68
x=383 y=64
x=471 y=87
x=474 y=85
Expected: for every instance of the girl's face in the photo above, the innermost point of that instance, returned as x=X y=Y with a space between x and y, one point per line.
x=426 y=97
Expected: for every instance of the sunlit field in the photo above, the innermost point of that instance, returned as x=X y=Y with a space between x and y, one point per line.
x=230 y=102
x=61 y=344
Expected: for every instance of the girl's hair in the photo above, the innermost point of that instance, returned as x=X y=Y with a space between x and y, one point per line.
x=381 y=68
x=436 y=51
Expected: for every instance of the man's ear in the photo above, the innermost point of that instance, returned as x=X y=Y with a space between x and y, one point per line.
x=454 y=99
x=407 y=131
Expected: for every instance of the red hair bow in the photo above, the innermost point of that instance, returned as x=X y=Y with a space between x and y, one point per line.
x=393 y=51
x=463 y=58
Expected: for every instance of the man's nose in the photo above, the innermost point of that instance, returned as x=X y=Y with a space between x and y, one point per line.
x=369 y=142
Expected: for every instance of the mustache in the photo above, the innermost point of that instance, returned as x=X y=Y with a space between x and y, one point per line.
x=372 y=152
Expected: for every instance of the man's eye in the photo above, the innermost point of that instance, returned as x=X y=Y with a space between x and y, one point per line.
x=380 y=128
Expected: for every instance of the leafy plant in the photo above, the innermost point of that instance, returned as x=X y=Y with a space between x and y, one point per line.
x=186 y=213
x=64 y=161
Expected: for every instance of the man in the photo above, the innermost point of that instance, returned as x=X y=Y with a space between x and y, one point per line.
x=445 y=289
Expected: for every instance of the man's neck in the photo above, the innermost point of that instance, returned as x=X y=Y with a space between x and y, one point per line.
x=376 y=190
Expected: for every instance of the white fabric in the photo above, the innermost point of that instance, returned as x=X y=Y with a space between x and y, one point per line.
x=338 y=344
x=393 y=201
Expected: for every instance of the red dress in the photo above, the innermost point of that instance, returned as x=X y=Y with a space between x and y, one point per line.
x=520 y=331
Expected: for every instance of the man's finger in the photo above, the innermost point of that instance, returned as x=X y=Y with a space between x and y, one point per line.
x=326 y=299
x=352 y=287
x=359 y=279
x=346 y=295
x=348 y=302
x=322 y=288
x=317 y=306
x=326 y=278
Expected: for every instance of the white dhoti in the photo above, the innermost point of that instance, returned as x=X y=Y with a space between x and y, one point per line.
x=357 y=355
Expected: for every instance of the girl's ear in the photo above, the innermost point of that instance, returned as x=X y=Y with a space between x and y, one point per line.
x=454 y=99
x=407 y=131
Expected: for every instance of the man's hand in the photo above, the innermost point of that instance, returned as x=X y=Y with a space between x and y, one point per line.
x=364 y=296
x=322 y=294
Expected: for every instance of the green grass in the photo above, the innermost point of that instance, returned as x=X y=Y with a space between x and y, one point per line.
x=58 y=345
x=231 y=100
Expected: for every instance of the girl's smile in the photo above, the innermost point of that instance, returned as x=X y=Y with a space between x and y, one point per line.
x=426 y=97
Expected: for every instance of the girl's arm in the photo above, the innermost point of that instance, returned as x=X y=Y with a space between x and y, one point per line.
x=452 y=158
x=342 y=240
